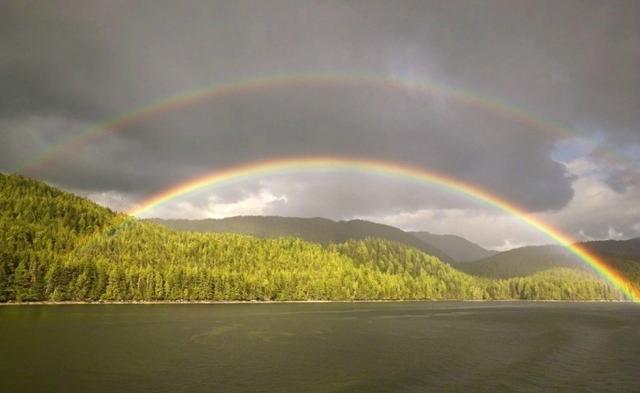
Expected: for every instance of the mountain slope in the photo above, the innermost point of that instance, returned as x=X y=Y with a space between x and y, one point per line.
x=622 y=255
x=318 y=230
x=522 y=262
x=629 y=249
x=458 y=248
x=39 y=224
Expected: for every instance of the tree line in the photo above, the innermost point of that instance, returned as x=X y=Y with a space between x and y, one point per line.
x=58 y=246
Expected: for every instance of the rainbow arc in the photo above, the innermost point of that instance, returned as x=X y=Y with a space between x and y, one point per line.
x=188 y=98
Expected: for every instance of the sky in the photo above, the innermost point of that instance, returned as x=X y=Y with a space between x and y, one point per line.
x=66 y=66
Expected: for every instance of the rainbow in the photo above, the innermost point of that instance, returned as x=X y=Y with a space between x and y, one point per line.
x=249 y=86
x=324 y=163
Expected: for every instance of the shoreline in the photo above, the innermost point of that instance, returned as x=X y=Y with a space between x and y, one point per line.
x=220 y=302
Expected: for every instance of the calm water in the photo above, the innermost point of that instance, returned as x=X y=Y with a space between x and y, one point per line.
x=370 y=347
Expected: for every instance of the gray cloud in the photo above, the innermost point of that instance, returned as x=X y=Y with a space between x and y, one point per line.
x=462 y=142
x=65 y=65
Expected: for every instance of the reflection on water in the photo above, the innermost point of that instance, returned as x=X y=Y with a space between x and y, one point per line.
x=328 y=347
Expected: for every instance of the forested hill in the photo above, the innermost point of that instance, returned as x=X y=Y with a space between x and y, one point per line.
x=458 y=248
x=622 y=255
x=39 y=225
x=627 y=249
x=40 y=222
x=57 y=246
x=317 y=230
x=522 y=262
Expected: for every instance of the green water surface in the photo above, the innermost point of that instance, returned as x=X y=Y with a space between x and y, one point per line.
x=333 y=347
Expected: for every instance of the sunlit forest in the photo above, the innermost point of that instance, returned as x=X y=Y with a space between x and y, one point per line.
x=56 y=246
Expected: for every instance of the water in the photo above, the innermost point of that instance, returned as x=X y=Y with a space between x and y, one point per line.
x=337 y=347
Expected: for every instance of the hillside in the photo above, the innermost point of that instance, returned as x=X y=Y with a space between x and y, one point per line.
x=317 y=230
x=622 y=255
x=39 y=224
x=458 y=248
x=57 y=246
x=626 y=249
x=521 y=262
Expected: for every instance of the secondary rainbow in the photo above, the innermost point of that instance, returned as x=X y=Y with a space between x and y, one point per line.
x=192 y=97
x=324 y=163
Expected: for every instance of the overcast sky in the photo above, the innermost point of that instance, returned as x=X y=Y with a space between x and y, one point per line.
x=65 y=66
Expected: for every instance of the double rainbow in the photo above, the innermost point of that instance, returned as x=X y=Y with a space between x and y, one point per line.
x=331 y=163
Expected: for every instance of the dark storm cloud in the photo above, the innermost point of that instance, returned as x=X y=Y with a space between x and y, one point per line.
x=178 y=146
x=572 y=61
x=49 y=64
x=65 y=65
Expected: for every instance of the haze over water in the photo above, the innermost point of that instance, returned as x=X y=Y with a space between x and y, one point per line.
x=332 y=347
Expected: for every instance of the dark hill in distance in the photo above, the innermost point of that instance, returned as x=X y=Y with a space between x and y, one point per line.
x=623 y=255
x=629 y=249
x=318 y=230
x=458 y=248
x=521 y=262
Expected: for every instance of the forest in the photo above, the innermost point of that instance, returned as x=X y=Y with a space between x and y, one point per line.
x=56 y=246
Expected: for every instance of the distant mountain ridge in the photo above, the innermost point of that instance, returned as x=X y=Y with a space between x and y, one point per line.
x=623 y=255
x=458 y=248
x=619 y=248
x=521 y=262
x=318 y=230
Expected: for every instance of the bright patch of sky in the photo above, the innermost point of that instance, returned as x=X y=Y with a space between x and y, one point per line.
x=570 y=149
